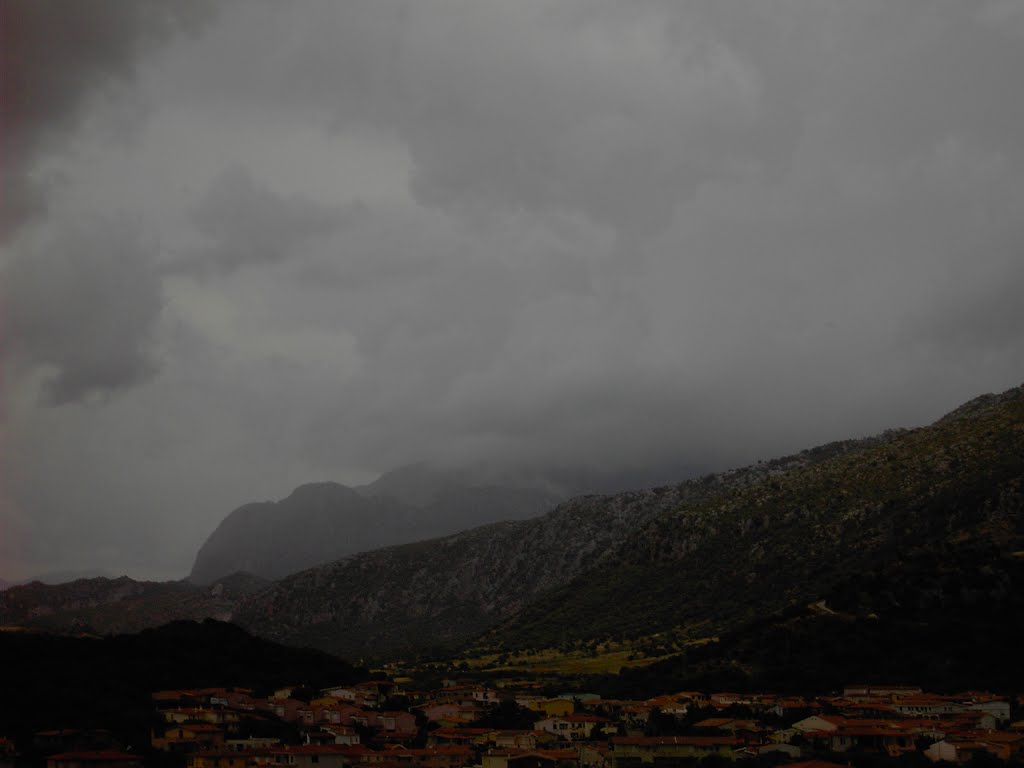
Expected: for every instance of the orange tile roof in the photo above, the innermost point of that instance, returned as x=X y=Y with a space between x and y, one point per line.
x=654 y=741
x=321 y=749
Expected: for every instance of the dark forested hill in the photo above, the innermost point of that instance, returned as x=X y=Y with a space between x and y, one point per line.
x=77 y=682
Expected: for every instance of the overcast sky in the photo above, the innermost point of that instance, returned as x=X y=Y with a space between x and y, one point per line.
x=252 y=244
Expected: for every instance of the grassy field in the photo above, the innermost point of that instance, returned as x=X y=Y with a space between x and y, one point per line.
x=607 y=658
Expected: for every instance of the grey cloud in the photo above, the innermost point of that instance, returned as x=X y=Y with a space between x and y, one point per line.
x=55 y=57
x=619 y=114
x=542 y=107
x=539 y=108
x=84 y=307
x=977 y=313
x=246 y=223
x=737 y=334
x=634 y=235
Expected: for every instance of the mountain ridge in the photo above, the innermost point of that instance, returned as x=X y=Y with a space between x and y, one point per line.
x=645 y=551
x=321 y=522
x=694 y=559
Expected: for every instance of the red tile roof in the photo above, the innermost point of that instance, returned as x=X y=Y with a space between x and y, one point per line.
x=322 y=749
x=693 y=741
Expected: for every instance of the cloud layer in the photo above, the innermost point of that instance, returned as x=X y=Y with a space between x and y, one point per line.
x=84 y=307
x=54 y=60
x=653 y=237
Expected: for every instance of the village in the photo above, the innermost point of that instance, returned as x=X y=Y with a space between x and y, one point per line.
x=387 y=723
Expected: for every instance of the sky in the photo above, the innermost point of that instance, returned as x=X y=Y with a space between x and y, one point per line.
x=251 y=244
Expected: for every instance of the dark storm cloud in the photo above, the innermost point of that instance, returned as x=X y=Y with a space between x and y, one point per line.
x=580 y=108
x=54 y=57
x=620 y=113
x=978 y=312
x=83 y=308
x=591 y=234
x=84 y=304
x=787 y=182
x=250 y=224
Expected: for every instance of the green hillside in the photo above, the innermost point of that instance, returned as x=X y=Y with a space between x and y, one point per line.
x=924 y=496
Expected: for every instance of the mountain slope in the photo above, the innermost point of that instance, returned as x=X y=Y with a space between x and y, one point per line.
x=909 y=518
x=322 y=522
x=110 y=606
x=314 y=524
x=706 y=555
x=948 y=623
x=444 y=591
x=793 y=537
